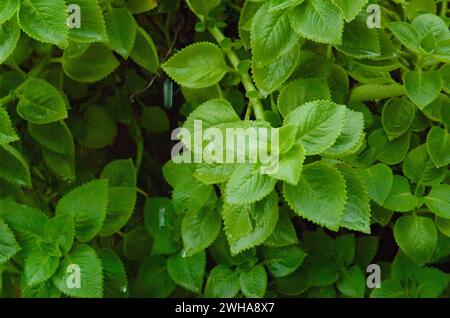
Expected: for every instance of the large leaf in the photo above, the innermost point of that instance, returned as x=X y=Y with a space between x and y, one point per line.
x=271 y=35
x=7 y=9
x=319 y=196
x=251 y=224
x=320 y=123
x=318 y=20
x=9 y=36
x=92 y=24
x=254 y=282
x=45 y=20
x=438 y=144
x=438 y=200
x=422 y=87
x=87 y=205
x=400 y=198
x=122 y=28
x=91 y=272
x=222 y=283
x=397 y=117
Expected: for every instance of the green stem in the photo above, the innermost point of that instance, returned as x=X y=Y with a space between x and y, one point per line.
x=7 y=99
x=444 y=8
x=245 y=78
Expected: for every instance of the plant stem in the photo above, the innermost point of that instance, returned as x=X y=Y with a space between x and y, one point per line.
x=245 y=78
x=444 y=5
x=7 y=99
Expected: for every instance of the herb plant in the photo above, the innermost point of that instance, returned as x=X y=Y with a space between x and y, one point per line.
x=357 y=90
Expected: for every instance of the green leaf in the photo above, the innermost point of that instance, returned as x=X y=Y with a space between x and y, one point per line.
x=422 y=87
x=115 y=281
x=140 y=6
x=301 y=91
x=7 y=9
x=159 y=221
x=277 y=5
x=318 y=20
x=153 y=279
x=91 y=271
x=7 y=132
x=8 y=244
x=92 y=65
x=121 y=175
x=55 y=136
x=397 y=117
x=199 y=229
x=344 y=249
x=272 y=76
x=41 y=103
x=284 y=233
x=27 y=223
x=438 y=200
x=350 y=138
x=395 y=151
x=40 y=265
x=202 y=7
x=251 y=224
x=13 y=166
x=290 y=165
x=358 y=40
x=137 y=244
x=366 y=250
x=438 y=144
x=369 y=92
x=92 y=23
x=100 y=129
x=254 y=282
x=319 y=196
x=188 y=272
x=87 y=205
x=416 y=236
x=350 y=8
x=352 y=282
x=196 y=66
x=378 y=180
x=9 y=36
x=406 y=34
x=248 y=184
x=144 y=51
x=390 y=288
x=122 y=28
x=282 y=261
x=61 y=231
x=222 y=283
x=419 y=168
x=357 y=208
x=320 y=123
x=44 y=21
x=400 y=198
x=271 y=35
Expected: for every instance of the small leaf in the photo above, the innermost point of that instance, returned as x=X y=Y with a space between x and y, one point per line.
x=197 y=66
x=352 y=283
x=153 y=279
x=283 y=261
x=400 y=198
x=92 y=23
x=13 y=167
x=422 y=87
x=144 y=51
x=251 y=224
x=438 y=144
x=222 y=283
x=41 y=103
x=438 y=200
x=188 y=272
x=416 y=236
x=397 y=117
x=254 y=282
x=114 y=275
x=9 y=37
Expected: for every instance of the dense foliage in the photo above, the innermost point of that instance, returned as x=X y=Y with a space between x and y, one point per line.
x=87 y=178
